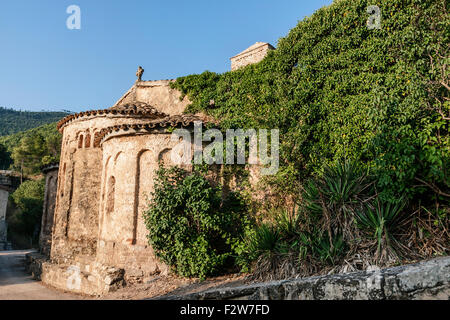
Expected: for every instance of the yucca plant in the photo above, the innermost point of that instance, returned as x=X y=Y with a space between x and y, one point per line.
x=271 y=254
x=381 y=220
x=334 y=195
x=287 y=223
x=329 y=252
x=343 y=183
x=264 y=241
x=276 y=248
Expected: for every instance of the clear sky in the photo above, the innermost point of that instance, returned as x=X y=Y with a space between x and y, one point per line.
x=46 y=66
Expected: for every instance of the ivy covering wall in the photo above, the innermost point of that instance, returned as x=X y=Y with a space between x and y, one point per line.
x=339 y=91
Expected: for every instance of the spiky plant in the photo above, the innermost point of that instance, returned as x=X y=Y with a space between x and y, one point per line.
x=264 y=241
x=381 y=221
x=334 y=196
x=327 y=252
x=287 y=223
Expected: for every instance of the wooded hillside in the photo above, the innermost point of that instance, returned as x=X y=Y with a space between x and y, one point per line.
x=13 y=121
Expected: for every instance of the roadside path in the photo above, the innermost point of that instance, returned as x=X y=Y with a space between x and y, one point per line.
x=16 y=284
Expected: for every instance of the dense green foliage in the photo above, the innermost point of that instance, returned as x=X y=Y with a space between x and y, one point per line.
x=28 y=140
x=31 y=149
x=364 y=135
x=337 y=90
x=342 y=218
x=343 y=201
x=13 y=121
x=192 y=228
x=28 y=199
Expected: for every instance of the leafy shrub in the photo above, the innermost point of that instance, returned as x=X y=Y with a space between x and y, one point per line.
x=192 y=228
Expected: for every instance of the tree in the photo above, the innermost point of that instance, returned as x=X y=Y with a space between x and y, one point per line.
x=5 y=158
x=36 y=150
x=27 y=156
x=29 y=199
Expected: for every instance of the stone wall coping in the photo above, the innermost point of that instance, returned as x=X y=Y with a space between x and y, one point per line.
x=424 y=280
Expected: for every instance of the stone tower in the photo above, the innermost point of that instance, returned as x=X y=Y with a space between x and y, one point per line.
x=251 y=55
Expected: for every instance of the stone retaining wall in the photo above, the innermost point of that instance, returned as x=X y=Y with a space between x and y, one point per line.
x=87 y=278
x=424 y=280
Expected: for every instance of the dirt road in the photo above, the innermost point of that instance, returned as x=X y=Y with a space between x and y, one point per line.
x=16 y=284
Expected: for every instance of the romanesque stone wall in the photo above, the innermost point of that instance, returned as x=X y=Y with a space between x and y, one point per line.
x=45 y=237
x=76 y=214
x=129 y=165
x=3 y=203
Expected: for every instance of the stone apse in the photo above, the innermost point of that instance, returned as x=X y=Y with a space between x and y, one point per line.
x=93 y=237
x=106 y=173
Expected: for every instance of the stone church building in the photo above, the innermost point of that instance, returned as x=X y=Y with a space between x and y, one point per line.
x=93 y=237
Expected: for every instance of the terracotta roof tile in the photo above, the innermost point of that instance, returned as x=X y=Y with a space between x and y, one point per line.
x=173 y=121
x=135 y=109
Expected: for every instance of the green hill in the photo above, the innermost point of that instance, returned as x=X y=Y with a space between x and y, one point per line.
x=12 y=121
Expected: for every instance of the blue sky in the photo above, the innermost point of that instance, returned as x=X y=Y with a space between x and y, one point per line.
x=45 y=66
